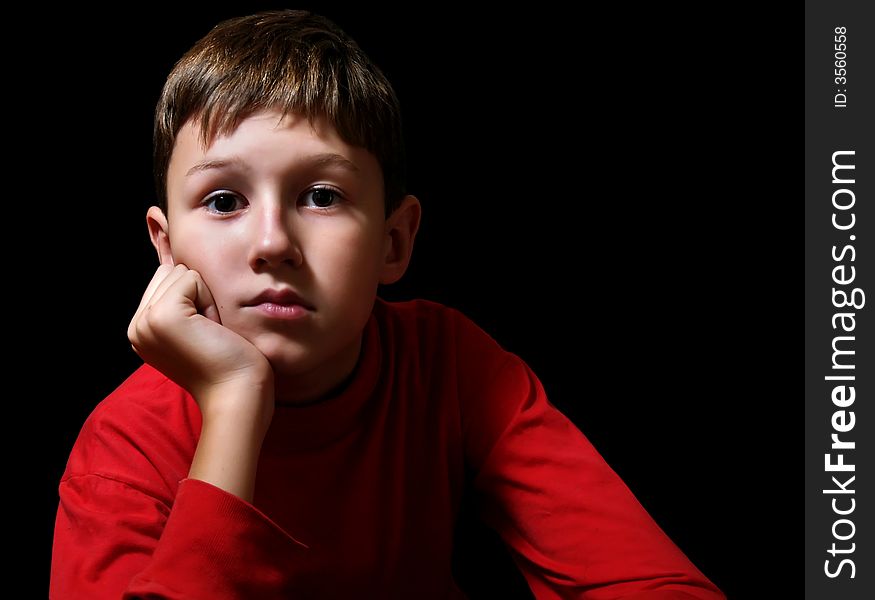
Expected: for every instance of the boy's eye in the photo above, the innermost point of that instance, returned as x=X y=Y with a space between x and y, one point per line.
x=322 y=197
x=224 y=202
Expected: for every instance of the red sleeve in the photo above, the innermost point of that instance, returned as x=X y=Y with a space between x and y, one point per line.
x=113 y=541
x=573 y=527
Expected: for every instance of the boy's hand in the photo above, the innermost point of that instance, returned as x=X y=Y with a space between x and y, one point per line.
x=177 y=330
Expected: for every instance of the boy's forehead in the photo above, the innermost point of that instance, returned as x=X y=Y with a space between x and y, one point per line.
x=297 y=136
x=318 y=127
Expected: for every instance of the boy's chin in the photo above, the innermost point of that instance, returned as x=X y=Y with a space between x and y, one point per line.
x=280 y=351
x=289 y=362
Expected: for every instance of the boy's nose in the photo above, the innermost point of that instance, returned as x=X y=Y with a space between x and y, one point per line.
x=274 y=240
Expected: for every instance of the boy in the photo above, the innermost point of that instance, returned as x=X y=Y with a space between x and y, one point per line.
x=292 y=435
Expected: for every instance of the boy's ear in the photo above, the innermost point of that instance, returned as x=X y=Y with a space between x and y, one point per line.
x=401 y=228
x=159 y=232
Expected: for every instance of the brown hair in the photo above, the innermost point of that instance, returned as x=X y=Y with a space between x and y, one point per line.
x=290 y=60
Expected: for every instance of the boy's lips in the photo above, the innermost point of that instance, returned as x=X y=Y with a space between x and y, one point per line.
x=284 y=296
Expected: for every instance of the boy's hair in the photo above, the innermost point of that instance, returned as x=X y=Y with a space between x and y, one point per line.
x=290 y=60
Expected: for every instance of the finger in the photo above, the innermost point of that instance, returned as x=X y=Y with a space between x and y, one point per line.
x=176 y=273
x=158 y=287
x=160 y=274
x=193 y=286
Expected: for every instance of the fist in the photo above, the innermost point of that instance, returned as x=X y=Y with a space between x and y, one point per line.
x=177 y=330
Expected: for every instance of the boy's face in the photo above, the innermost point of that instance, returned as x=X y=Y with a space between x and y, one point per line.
x=283 y=205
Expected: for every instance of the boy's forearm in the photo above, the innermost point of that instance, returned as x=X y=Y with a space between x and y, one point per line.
x=229 y=447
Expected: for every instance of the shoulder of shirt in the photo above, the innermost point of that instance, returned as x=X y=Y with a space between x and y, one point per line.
x=435 y=326
x=427 y=315
x=146 y=414
x=145 y=390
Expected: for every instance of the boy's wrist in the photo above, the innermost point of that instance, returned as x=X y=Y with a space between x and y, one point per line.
x=242 y=403
x=232 y=433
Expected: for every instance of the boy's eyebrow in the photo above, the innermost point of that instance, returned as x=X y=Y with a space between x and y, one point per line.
x=220 y=163
x=325 y=159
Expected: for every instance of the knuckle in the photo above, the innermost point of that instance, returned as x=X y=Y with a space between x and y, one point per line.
x=161 y=317
x=154 y=317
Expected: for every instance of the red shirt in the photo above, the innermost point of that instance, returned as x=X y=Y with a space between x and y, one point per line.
x=357 y=496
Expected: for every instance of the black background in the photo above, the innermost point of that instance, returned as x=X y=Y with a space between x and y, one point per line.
x=609 y=197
